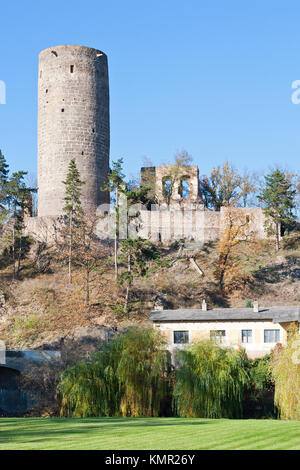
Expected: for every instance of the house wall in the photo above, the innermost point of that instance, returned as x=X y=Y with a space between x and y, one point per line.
x=201 y=330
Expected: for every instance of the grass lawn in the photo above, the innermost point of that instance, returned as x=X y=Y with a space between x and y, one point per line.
x=147 y=433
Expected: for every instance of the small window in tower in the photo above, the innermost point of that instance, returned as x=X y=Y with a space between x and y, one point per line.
x=41 y=73
x=247 y=219
x=82 y=153
x=71 y=68
x=47 y=91
x=93 y=130
x=62 y=110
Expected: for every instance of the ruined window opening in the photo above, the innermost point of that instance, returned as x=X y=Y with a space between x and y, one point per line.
x=167 y=187
x=71 y=68
x=82 y=153
x=93 y=130
x=247 y=219
x=62 y=110
x=184 y=187
x=47 y=90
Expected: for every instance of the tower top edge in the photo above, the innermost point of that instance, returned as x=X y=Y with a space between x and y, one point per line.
x=72 y=47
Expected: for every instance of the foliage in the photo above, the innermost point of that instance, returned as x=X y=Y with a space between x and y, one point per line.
x=17 y=201
x=137 y=253
x=286 y=373
x=210 y=381
x=73 y=213
x=127 y=378
x=4 y=171
x=228 y=270
x=225 y=187
x=278 y=199
x=88 y=250
x=259 y=394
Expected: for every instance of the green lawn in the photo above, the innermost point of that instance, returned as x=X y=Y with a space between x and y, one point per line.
x=147 y=433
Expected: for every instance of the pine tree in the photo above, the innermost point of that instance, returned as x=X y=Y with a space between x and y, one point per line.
x=4 y=170
x=278 y=199
x=18 y=200
x=72 y=208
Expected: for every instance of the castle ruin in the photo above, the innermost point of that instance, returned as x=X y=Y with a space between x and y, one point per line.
x=73 y=123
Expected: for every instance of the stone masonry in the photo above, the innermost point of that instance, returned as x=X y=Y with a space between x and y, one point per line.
x=73 y=122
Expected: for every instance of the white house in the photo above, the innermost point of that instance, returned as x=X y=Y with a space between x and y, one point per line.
x=257 y=330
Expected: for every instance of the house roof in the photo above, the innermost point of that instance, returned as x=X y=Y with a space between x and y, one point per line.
x=275 y=314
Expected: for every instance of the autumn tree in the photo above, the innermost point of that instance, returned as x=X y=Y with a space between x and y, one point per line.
x=236 y=231
x=72 y=210
x=278 y=200
x=225 y=187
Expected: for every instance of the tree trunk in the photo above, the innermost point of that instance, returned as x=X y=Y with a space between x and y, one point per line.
x=277 y=236
x=70 y=247
x=87 y=286
x=116 y=256
x=126 y=299
x=19 y=257
x=128 y=284
x=13 y=251
x=116 y=235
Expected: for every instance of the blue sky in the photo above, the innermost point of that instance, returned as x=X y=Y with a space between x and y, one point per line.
x=212 y=77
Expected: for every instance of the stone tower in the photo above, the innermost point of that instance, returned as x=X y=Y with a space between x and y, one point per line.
x=73 y=122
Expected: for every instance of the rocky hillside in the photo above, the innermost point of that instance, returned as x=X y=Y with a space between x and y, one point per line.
x=42 y=310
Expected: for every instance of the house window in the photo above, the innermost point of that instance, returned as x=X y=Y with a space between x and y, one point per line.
x=181 y=337
x=218 y=336
x=271 y=336
x=246 y=336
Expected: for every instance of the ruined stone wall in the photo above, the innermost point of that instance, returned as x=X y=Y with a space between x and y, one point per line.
x=73 y=122
x=175 y=174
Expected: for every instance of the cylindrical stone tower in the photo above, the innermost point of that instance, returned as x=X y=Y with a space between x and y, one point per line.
x=73 y=122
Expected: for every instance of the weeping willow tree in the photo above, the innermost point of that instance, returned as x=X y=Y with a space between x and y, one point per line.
x=129 y=377
x=286 y=373
x=210 y=382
